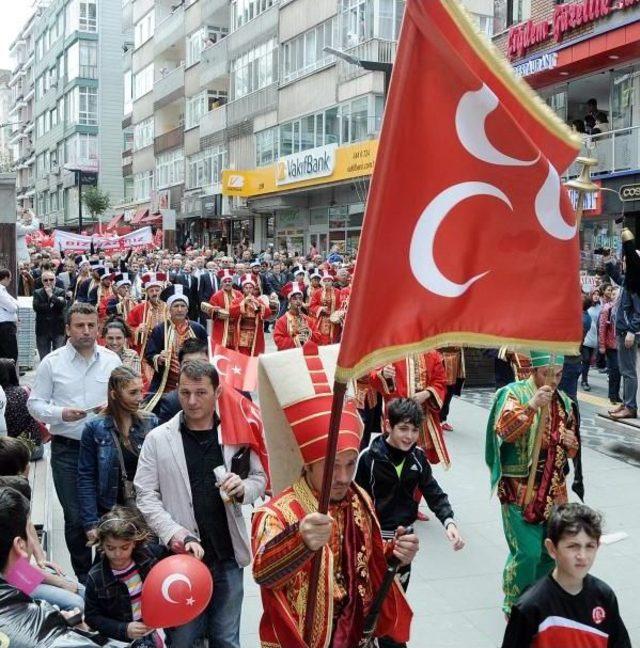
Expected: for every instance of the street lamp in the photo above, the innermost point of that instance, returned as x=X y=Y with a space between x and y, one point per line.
x=372 y=66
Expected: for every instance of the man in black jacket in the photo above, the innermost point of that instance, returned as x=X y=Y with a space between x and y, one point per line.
x=48 y=303
x=208 y=284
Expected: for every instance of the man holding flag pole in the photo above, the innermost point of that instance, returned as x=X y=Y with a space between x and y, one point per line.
x=481 y=207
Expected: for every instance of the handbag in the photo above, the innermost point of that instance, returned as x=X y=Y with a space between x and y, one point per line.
x=128 y=489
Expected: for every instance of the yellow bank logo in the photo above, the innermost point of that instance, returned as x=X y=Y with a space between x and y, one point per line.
x=236 y=181
x=281 y=172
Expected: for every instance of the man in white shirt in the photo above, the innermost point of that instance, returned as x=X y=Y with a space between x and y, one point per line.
x=71 y=383
x=8 y=319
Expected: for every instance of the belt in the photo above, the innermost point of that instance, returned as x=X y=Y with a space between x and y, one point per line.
x=63 y=440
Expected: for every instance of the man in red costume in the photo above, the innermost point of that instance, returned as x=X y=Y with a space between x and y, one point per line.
x=294 y=328
x=288 y=531
x=219 y=309
x=249 y=312
x=325 y=305
x=421 y=377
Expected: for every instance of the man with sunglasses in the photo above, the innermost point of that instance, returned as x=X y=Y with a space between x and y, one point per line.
x=48 y=303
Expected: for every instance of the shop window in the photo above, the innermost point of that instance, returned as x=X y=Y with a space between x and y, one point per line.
x=625 y=98
x=318 y=217
x=338 y=217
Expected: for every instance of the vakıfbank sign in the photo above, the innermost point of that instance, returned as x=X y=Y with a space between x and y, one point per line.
x=316 y=166
x=314 y=163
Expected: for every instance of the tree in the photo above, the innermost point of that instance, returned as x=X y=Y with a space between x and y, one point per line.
x=96 y=201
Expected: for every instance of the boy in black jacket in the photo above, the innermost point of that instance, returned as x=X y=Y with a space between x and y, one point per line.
x=393 y=467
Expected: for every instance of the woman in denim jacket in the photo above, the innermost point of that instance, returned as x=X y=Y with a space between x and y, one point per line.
x=100 y=479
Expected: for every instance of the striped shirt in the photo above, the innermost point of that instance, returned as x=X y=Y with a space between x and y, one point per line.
x=130 y=576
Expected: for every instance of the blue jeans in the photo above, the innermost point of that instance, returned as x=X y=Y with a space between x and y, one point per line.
x=64 y=467
x=63 y=598
x=220 y=622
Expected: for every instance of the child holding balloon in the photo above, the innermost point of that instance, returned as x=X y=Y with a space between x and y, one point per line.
x=114 y=585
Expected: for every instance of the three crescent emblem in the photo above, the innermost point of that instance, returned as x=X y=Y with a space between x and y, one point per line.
x=169 y=581
x=470 y=122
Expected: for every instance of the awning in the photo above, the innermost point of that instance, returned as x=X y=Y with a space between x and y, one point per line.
x=139 y=215
x=112 y=224
x=152 y=219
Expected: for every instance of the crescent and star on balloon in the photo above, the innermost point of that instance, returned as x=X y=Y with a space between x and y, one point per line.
x=169 y=581
x=470 y=121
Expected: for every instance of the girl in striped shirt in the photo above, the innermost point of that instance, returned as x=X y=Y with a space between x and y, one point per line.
x=114 y=585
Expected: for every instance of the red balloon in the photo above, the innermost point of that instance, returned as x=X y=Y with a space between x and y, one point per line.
x=176 y=591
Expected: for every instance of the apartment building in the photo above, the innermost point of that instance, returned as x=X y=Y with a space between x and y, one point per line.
x=254 y=87
x=6 y=104
x=73 y=116
x=20 y=116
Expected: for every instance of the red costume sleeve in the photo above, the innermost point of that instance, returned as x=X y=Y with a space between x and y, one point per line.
x=281 y=336
x=234 y=310
x=279 y=553
x=135 y=316
x=315 y=302
x=437 y=381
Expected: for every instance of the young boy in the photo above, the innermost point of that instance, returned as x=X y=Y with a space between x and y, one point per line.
x=569 y=607
x=393 y=467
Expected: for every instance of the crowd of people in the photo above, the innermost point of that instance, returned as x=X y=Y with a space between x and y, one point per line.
x=144 y=464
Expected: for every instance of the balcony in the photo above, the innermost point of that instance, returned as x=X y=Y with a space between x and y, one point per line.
x=168 y=88
x=616 y=151
x=255 y=31
x=88 y=71
x=213 y=122
x=169 y=31
x=214 y=12
x=168 y=141
x=255 y=103
x=374 y=49
x=214 y=64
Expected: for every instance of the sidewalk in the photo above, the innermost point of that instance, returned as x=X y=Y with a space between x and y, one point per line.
x=456 y=596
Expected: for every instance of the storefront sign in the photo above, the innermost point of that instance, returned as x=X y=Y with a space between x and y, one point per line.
x=629 y=192
x=544 y=62
x=314 y=163
x=566 y=18
x=592 y=202
x=345 y=163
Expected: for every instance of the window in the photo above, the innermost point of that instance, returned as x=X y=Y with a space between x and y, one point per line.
x=484 y=23
x=509 y=12
x=143 y=82
x=353 y=121
x=88 y=60
x=144 y=29
x=245 y=10
x=357 y=21
x=170 y=168
x=196 y=107
x=81 y=150
x=305 y=52
x=142 y=186
x=267 y=146
x=88 y=17
x=128 y=92
x=143 y=134
x=88 y=106
x=195 y=45
x=255 y=69
x=205 y=168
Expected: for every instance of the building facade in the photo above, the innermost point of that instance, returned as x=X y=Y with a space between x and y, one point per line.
x=255 y=88
x=583 y=58
x=74 y=113
x=20 y=117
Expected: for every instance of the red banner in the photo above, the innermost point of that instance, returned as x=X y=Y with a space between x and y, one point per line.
x=469 y=236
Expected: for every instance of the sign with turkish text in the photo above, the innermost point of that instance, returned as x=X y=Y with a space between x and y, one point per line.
x=314 y=163
x=71 y=242
x=566 y=18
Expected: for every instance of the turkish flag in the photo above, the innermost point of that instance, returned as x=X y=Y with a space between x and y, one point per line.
x=235 y=369
x=469 y=237
x=241 y=423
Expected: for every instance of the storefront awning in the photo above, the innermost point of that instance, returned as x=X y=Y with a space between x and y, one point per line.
x=139 y=215
x=152 y=219
x=113 y=223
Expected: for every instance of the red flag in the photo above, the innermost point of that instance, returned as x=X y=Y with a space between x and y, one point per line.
x=241 y=423
x=469 y=237
x=235 y=369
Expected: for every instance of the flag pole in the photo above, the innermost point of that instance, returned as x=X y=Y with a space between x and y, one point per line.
x=339 y=390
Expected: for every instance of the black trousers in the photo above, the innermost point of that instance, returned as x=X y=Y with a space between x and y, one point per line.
x=9 y=341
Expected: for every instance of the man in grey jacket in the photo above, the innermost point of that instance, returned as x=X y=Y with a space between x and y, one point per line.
x=191 y=510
